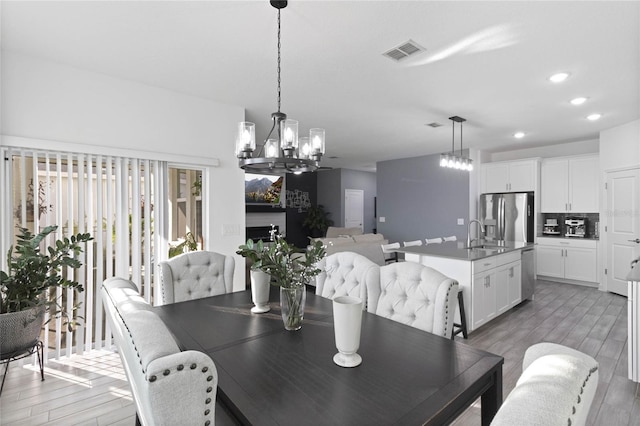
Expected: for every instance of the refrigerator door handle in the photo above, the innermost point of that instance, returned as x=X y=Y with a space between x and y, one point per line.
x=504 y=218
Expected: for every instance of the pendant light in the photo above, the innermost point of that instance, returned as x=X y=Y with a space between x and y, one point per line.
x=451 y=160
x=287 y=153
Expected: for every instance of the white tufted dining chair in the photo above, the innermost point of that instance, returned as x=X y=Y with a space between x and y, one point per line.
x=349 y=274
x=195 y=275
x=412 y=243
x=418 y=296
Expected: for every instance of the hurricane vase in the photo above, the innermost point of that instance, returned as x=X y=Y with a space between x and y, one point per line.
x=292 y=302
x=260 y=282
x=347 y=324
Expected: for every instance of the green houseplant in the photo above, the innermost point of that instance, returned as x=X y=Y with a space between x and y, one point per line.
x=23 y=287
x=317 y=221
x=290 y=269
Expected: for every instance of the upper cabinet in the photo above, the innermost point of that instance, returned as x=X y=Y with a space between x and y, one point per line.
x=509 y=176
x=569 y=185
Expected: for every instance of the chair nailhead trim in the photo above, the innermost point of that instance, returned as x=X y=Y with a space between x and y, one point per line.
x=166 y=372
x=207 y=401
x=180 y=367
x=207 y=423
x=152 y=379
x=210 y=378
x=193 y=366
x=206 y=412
x=209 y=389
x=205 y=369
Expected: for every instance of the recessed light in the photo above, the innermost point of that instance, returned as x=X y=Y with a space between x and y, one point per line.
x=594 y=117
x=559 y=77
x=578 y=101
x=518 y=135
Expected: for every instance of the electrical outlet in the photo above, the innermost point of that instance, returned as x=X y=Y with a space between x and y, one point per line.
x=382 y=219
x=460 y=221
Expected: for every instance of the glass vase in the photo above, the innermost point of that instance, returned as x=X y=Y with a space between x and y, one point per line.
x=292 y=302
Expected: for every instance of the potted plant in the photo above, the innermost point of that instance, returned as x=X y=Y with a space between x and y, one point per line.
x=317 y=221
x=290 y=269
x=260 y=281
x=24 y=286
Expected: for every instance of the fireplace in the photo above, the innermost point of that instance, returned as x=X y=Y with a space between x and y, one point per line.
x=256 y=233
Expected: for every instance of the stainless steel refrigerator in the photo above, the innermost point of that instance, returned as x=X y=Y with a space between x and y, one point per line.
x=507 y=217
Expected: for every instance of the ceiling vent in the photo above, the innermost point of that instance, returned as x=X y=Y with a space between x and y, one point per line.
x=406 y=49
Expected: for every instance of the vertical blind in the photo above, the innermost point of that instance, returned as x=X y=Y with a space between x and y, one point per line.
x=120 y=201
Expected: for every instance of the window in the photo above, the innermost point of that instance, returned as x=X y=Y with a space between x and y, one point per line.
x=121 y=201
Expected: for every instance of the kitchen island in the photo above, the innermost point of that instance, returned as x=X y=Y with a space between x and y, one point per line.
x=489 y=274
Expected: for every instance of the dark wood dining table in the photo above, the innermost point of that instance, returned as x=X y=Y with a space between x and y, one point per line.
x=270 y=376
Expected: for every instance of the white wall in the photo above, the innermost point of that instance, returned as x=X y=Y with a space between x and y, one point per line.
x=620 y=146
x=52 y=102
x=560 y=150
x=619 y=149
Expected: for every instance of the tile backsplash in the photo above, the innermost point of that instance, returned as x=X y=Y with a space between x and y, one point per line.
x=591 y=218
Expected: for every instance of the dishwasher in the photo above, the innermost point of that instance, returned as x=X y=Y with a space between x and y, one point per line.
x=528 y=276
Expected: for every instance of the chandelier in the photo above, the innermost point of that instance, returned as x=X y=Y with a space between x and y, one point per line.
x=451 y=160
x=285 y=153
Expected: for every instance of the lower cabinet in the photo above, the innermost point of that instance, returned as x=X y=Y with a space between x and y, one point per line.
x=567 y=259
x=484 y=297
x=495 y=287
x=509 y=277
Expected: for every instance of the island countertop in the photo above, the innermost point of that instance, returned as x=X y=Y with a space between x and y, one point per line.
x=456 y=249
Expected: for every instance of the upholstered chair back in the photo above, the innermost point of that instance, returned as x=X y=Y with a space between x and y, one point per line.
x=418 y=296
x=195 y=275
x=347 y=273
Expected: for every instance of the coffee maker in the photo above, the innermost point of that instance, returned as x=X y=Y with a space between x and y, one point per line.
x=575 y=227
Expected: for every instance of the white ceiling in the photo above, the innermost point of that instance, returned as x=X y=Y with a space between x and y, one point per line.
x=485 y=61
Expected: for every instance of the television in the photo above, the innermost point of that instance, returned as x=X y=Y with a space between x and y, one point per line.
x=263 y=189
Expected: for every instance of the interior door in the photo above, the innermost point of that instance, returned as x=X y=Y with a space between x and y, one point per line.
x=623 y=227
x=354 y=208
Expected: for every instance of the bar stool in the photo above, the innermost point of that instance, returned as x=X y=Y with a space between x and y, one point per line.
x=460 y=328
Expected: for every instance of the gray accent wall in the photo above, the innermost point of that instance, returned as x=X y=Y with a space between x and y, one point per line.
x=419 y=199
x=331 y=186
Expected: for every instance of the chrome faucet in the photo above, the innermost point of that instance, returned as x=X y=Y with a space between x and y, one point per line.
x=469 y=240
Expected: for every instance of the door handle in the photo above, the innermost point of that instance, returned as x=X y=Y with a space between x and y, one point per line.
x=637 y=241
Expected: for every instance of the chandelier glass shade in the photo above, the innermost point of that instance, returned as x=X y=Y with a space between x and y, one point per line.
x=451 y=160
x=285 y=152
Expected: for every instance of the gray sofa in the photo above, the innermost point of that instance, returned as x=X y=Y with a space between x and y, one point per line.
x=368 y=245
x=169 y=387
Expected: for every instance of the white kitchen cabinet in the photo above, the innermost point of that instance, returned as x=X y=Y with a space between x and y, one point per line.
x=580 y=264
x=508 y=280
x=502 y=296
x=567 y=259
x=509 y=176
x=494 y=286
x=515 y=284
x=550 y=261
x=569 y=185
x=484 y=297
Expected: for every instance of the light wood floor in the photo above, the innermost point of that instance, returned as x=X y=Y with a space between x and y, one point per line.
x=92 y=389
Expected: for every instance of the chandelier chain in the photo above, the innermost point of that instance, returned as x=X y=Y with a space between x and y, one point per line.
x=278 y=60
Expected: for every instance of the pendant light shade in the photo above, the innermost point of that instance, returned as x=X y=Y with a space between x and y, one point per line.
x=451 y=160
